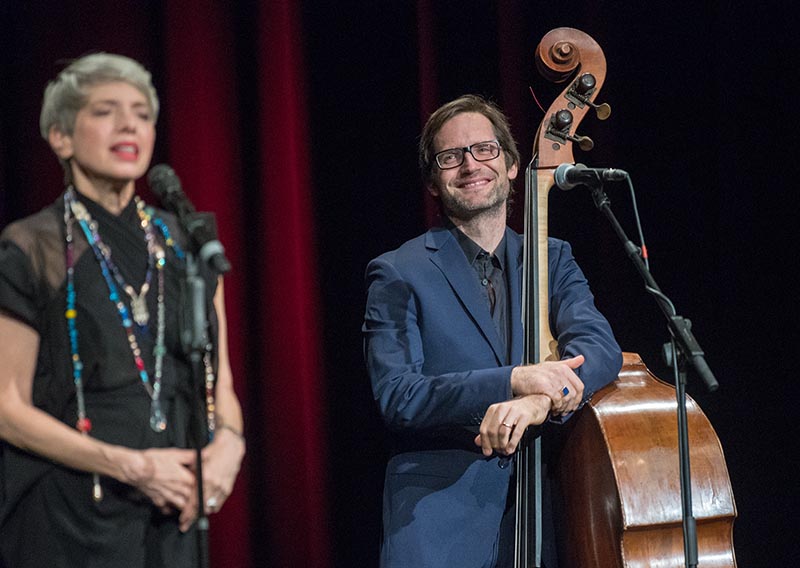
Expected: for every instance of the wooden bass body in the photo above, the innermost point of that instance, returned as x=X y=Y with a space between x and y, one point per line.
x=620 y=479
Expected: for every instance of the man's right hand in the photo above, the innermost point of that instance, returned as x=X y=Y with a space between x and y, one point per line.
x=554 y=379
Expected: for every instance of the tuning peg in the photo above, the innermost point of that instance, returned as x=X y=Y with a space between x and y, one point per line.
x=581 y=92
x=585 y=84
x=584 y=142
x=560 y=123
x=603 y=110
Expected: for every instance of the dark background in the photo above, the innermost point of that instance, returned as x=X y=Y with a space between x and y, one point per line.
x=703 y=119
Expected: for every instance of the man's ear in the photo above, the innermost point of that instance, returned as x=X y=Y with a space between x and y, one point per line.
x=60 y=143
x=431 y=187
x=513 y=171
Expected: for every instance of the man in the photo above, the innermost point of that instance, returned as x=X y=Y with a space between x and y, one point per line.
x=443 y=339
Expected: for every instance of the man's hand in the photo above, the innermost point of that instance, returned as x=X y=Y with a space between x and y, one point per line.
x=555 y=379
x=504 y=423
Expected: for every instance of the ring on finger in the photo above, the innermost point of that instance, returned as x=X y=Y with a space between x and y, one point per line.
x=510 y=426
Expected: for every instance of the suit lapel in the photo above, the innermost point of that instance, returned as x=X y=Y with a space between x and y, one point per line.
x=448 y=257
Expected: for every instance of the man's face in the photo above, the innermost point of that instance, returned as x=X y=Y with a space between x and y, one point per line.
x=473 y=187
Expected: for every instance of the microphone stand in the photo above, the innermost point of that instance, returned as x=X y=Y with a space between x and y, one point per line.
x=683 y=347
x=194 y=339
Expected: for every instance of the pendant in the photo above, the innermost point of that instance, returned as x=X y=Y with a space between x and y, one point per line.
x=158 y=422
x=139 y=308
x=97 y=489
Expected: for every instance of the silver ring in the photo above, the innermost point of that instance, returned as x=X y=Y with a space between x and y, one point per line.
x=211 y=503
x=564 y=390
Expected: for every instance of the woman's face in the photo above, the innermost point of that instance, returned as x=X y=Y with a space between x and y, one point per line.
x=113 y=138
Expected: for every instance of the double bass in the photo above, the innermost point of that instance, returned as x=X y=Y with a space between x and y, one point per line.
x=619 y=467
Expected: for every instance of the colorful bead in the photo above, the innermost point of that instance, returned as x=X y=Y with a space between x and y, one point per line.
x=84 y=425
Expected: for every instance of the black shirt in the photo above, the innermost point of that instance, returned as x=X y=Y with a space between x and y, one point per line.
x=492 y=278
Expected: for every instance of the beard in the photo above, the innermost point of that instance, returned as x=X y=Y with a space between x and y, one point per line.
x=457 y=206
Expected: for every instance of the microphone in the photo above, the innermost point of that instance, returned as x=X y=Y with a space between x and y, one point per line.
x=568 y=176
x=200 y=227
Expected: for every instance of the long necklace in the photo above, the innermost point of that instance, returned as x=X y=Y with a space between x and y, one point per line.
x=76 y=210
x=84 y=425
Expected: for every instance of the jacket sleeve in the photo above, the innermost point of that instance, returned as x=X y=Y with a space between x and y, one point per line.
x=394 y=351
x=577 y=325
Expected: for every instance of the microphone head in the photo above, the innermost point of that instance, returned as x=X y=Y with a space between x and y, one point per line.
x=167 y=187
x=561 y=175
x=163 y=181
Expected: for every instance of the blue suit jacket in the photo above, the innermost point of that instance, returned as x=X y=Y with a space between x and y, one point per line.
x=436 y=364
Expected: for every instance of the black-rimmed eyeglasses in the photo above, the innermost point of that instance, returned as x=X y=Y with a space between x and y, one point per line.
x=454 y=157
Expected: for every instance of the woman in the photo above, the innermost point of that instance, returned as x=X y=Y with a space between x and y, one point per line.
x=95 y=389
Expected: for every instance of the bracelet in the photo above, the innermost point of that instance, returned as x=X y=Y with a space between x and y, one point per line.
x=231 y=429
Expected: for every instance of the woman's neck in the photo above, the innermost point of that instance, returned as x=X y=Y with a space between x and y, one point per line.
x=113 y=196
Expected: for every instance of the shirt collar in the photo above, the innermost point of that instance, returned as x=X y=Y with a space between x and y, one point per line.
x=472 y=249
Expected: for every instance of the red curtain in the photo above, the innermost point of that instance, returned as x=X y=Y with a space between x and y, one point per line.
x=428 y=87
x=200 y=119
x=290 y=338
x=268 y=232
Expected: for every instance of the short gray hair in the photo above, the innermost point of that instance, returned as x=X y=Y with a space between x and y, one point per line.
x=65 y=95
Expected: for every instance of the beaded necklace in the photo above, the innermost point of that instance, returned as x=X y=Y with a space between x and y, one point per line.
x=74 y=211
x=114 y=281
